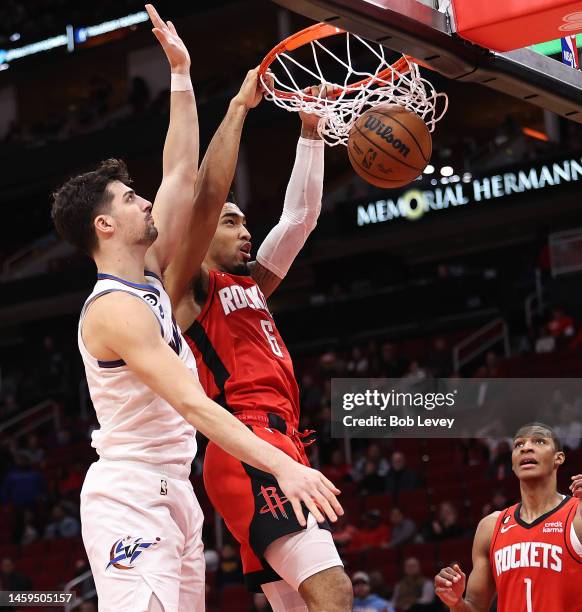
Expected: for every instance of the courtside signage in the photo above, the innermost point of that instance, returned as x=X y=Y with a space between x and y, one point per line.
x=415 y=203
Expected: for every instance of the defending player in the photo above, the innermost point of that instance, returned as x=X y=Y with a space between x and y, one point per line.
x=141 y=521
x=530 y=553
x=220 y=298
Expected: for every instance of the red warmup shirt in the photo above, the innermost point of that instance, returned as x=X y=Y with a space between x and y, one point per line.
x=243 y=363
x=536 y=566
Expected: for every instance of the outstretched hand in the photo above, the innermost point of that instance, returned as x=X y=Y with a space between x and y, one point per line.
x=302 y=484
x=251 y=90
x=172 y=44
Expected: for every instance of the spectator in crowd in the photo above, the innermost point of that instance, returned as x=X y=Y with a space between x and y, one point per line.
x=23 y=485
x=378 y=585
x=33 y=451
x=445 y=526
x=343 y=532
x=358 y=363
x=501 y=466
x=330 y=365
x=310 y=393
x=373 y=453
x=230 y=568
x=403 y=529
x=364 y=599
x=415 y=374
x=391 y=365
x=373 y=534
x=53 y=368
x=338 y=470
x=546 y=343
x=11 y=579
x=439 y=362
x=371 y=483
x=87 y=587
x=498 y=502
x=569 y=429
x=400 y=478
x=73 y=480
x=62 y=525
x=560 y=324
x=212 y=559
x=27 y=531
x=415 y=592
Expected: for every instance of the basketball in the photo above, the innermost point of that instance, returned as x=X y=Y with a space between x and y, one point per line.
x=389 y=146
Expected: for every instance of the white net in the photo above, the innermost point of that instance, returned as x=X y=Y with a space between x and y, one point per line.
x=398 y=83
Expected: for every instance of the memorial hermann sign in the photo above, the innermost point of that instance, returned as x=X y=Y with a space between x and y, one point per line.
x=415 y=203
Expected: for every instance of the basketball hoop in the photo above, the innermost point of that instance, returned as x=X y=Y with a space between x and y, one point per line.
x=340 y=104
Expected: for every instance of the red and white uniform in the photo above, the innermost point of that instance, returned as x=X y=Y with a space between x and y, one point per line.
x=243 y=363
x=537 y=567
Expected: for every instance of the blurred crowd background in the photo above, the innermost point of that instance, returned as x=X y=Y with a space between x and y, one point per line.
x=482 y=291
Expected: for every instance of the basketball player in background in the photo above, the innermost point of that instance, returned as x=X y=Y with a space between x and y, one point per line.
x=530 y=553
x=141 y=521
x=220 y=299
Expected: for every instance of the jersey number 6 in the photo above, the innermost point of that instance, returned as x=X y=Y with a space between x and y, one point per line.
x=268 y=330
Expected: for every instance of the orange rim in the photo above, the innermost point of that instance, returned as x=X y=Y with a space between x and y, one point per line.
x=317 y=32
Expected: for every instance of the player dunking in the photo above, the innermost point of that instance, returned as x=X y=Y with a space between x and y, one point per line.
x=530 y=553
x=220 y=298
x=141 y=521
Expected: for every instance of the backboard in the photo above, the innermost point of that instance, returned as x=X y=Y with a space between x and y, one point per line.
x=416 y=28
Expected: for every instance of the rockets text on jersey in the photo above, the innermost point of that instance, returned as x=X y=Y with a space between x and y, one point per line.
x=242 y=360
x=537 y=566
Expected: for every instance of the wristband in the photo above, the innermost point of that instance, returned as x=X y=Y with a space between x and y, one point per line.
x=181 y=82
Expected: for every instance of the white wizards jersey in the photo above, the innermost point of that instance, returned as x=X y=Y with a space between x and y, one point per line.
x=136 y=424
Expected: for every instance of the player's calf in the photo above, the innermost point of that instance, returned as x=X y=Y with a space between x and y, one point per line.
x=328 y=591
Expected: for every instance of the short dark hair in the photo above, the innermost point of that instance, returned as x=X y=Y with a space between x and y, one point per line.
x=81 y=199
x=528 y=428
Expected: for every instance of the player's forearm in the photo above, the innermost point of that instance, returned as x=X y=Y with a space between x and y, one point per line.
x=300 y=210
x=181 y=148
x=232 y=436
x=219 y=164
x=466 y=605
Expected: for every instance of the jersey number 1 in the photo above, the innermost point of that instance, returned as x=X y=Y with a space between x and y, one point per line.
x=529 y=605
x=268 y=330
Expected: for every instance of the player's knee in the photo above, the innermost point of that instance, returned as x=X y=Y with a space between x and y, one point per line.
x=329 y=591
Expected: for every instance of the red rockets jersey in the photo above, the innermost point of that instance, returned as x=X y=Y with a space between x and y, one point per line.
x=538 y=566
x=243 y=363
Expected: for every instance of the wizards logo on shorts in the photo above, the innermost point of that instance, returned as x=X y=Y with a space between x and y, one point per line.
x=126 y=550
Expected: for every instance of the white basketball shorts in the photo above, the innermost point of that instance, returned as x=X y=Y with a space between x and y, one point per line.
x=142 y=530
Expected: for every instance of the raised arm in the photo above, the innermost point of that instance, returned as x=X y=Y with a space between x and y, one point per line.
x=212 y=186
x=180 y=158
x=450 y=581
x=301 y=210
x=122 y=327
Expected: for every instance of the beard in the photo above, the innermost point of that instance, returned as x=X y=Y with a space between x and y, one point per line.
x=241 y=269
x=149 y=235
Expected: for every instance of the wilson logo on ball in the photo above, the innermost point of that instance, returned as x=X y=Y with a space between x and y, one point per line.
x=385 y=132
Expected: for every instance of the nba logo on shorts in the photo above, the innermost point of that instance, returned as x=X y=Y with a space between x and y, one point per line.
x=163 y=487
